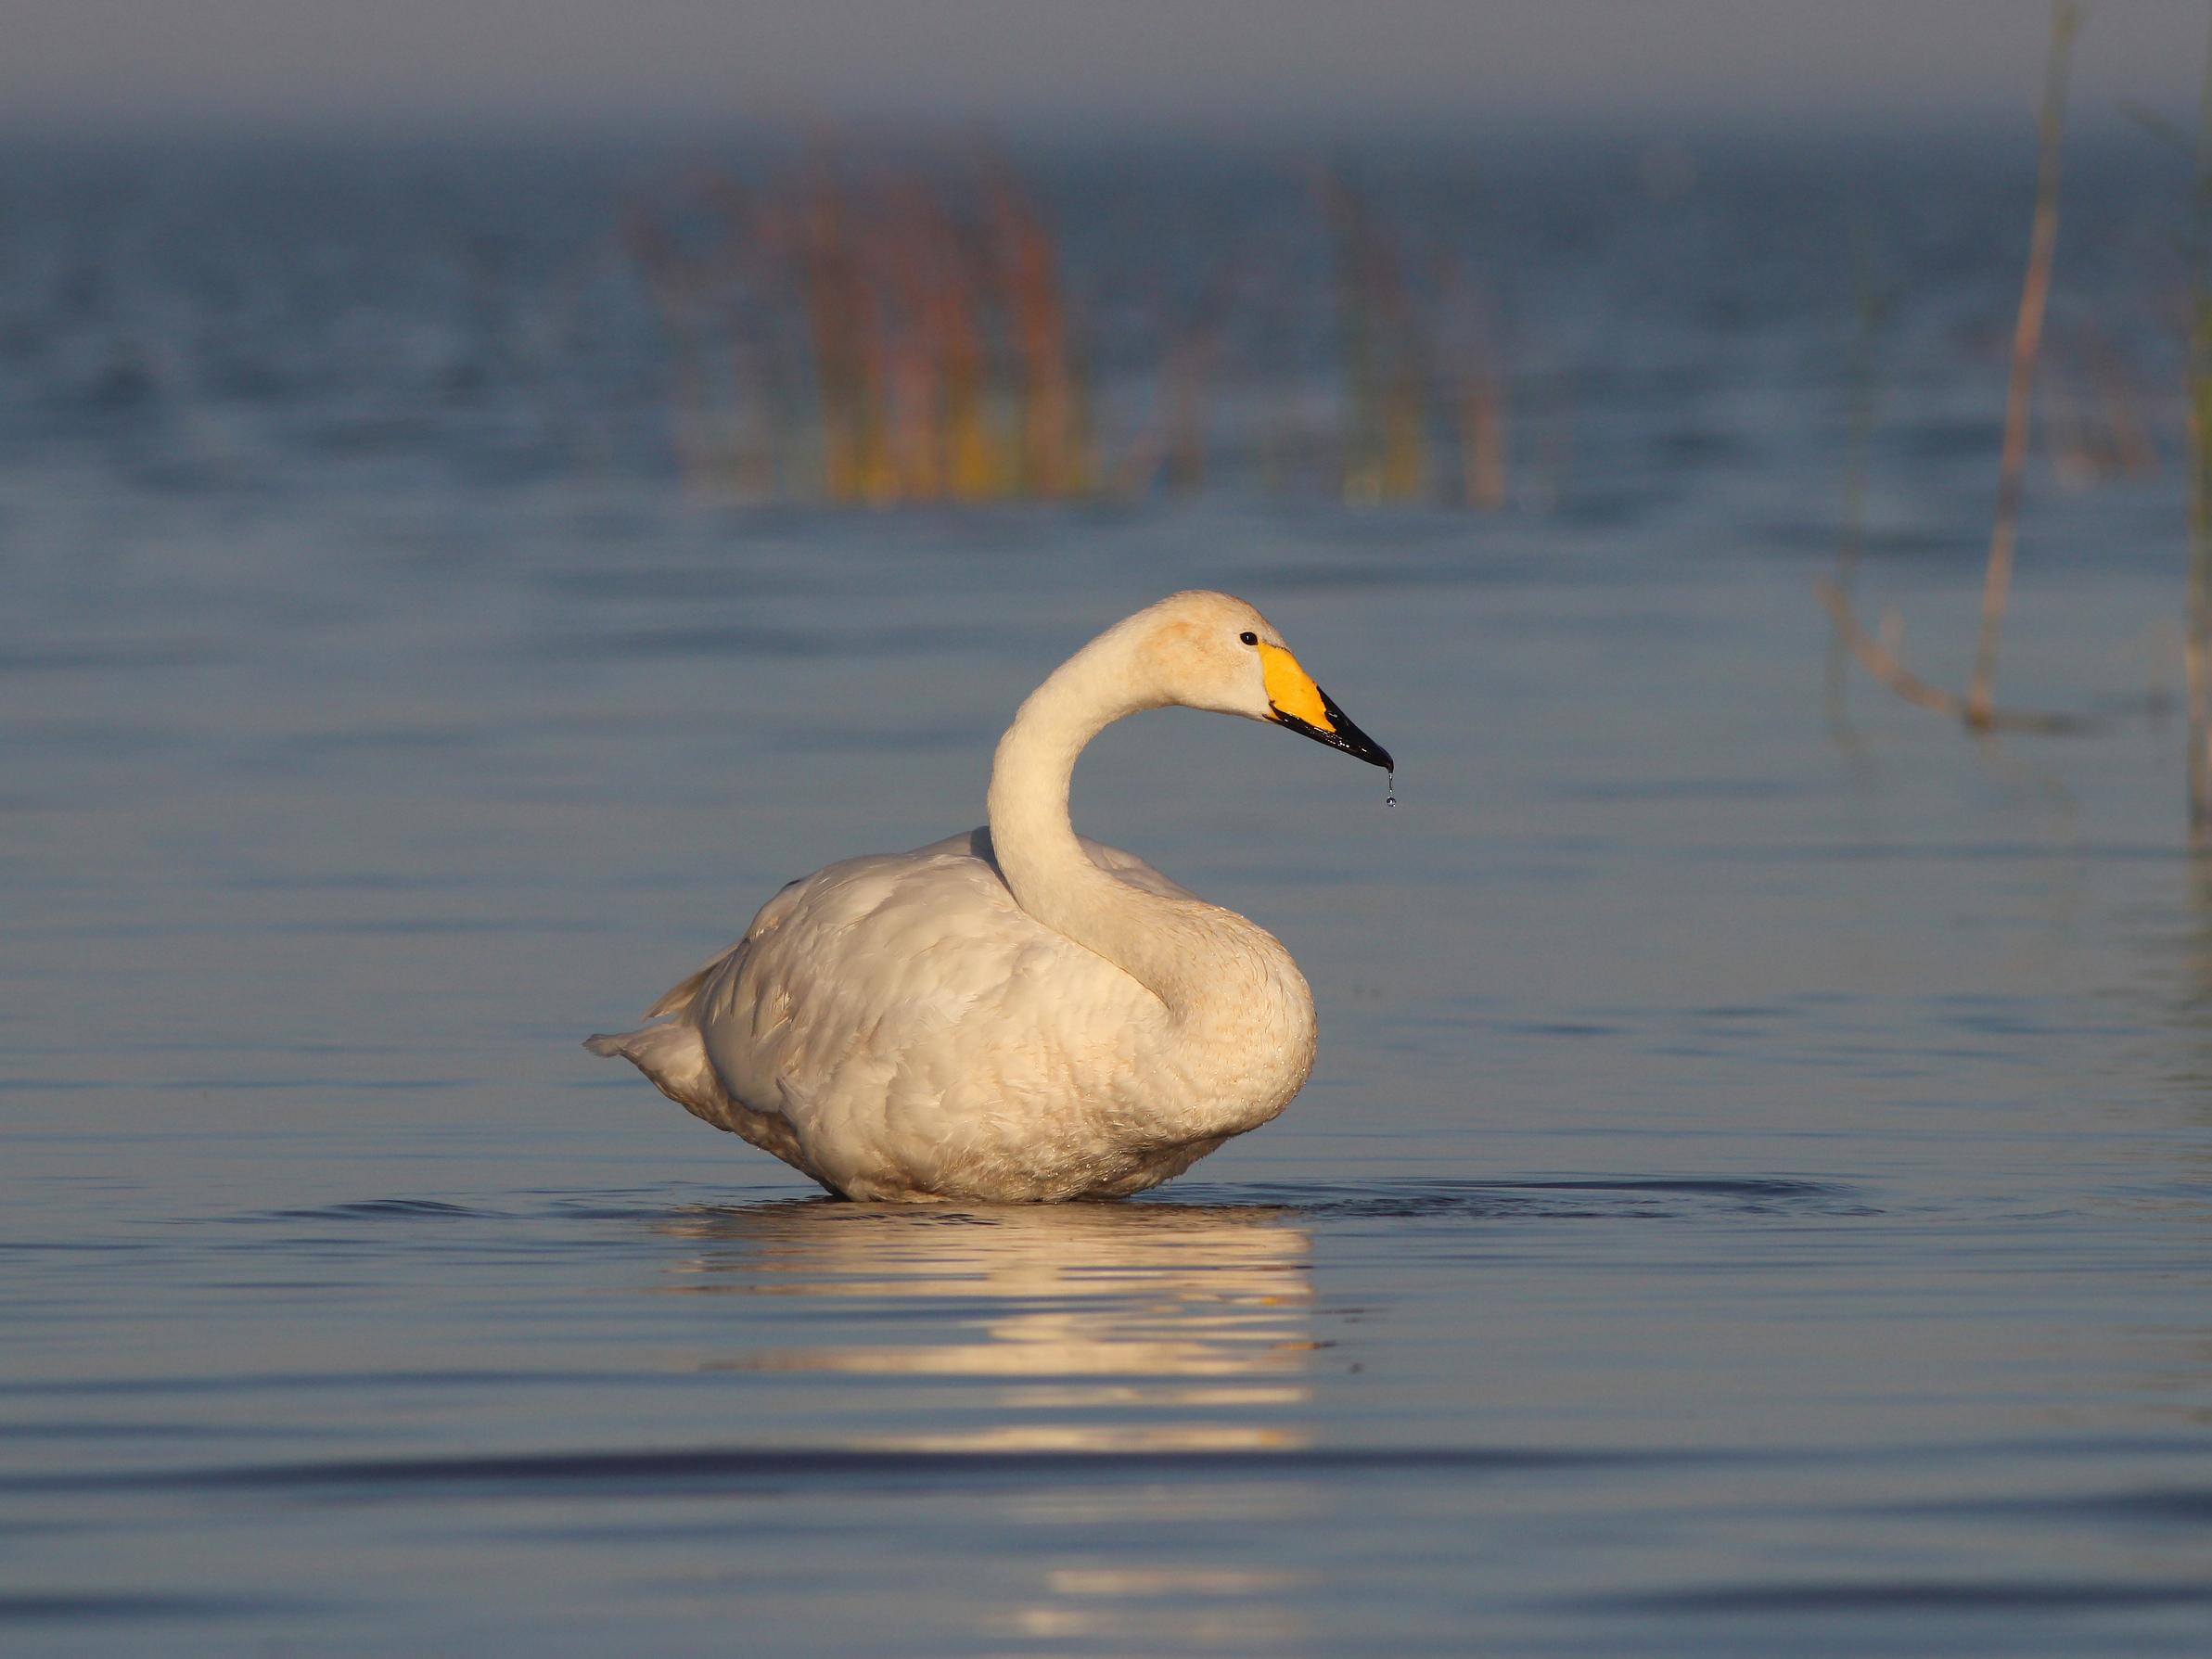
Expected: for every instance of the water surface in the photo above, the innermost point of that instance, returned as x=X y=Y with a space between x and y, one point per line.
x=1753 y=1196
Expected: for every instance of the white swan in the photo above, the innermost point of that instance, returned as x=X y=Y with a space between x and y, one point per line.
x=1016 y=1012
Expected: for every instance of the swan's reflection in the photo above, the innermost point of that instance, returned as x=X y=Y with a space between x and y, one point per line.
x=1065 y=1307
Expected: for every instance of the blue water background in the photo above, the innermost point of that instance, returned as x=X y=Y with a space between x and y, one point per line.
x=1753 y=1196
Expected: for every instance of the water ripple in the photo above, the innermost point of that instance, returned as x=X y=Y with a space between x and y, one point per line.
x=708 y=1469
x=1909 y=1595
x=1564 y=1199
x=59 y=1609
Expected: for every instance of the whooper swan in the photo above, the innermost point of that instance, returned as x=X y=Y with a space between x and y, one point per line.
x=1016 y=1012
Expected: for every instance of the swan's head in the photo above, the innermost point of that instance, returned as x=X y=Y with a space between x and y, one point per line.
x=1206 y=650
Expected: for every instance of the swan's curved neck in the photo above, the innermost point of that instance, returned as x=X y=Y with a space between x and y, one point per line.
x=1240 y=1033
x=1144 y=934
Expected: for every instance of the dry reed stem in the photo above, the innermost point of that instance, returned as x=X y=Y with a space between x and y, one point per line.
x=1404 y=418
x=2065 y=20
x=1385 y=444
x=1481 y=396
x=1194 y=374
x=736 y=278
x=1028 y=282
x=670 y=282
x=2197 y=639
x=1355 y=341
x=1174 y=437
x=830 y=288
x=1884 y=665
x=2197 y=632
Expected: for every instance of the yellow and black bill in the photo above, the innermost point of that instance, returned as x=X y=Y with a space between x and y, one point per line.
x=1294 y=701
x=1336 y=729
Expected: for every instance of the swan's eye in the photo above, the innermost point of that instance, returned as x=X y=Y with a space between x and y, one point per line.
x=1248 y=637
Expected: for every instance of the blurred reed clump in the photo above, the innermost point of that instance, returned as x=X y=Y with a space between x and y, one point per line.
x=859 y=328
x=872 y=338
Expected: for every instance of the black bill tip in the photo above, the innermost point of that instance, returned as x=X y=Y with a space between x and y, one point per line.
x=1342 y=734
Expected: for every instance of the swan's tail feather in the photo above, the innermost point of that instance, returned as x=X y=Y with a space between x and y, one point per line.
x=674 y=1057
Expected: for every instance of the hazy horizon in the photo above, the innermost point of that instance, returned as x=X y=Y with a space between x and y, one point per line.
x=534 y=67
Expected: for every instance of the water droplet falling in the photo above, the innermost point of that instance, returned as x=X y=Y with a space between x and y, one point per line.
x=1390 y=791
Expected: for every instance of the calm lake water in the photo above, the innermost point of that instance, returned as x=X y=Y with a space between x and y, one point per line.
x=1754 y=1193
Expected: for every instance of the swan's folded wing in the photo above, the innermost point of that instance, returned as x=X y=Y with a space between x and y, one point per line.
x=853 y=960
x=893 y=982
x=770 y=916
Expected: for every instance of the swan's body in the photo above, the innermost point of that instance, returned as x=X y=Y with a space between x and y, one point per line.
x=1016 y=1012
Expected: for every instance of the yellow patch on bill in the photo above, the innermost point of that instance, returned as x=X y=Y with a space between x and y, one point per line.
x=1290 y=689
